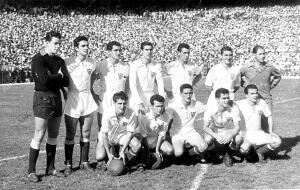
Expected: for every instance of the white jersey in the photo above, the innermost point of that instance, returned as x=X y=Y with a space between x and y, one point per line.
x=251 y=115
x=222 y=121
x=80 y=73
x=142 y=82
x=116 y=127
x=113 y=80
x=182 y=74
x=184 y=118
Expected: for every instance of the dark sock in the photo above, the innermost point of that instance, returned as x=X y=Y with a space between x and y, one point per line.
x=85 y=152
x=263 y=149
x=33 y=155
x=69 y=153
x=50 y=151
x=81 y=145
x=131 y=157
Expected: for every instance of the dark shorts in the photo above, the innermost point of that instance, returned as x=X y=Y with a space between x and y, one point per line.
x=47 y=104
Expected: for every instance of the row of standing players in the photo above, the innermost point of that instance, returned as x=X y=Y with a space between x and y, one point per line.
x=146 y=124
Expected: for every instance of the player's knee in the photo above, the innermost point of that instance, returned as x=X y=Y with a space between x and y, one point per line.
x=238 y=139
x=168 y=150
x=135 y=145
x=202 y=147
x=244 y=148
x=51 y=141
x=276 y=142
x=35 y=144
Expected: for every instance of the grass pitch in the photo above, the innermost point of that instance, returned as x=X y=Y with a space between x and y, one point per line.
x=17 y=127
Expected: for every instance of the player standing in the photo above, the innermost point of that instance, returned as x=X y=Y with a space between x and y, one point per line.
x=119 y=122
x=222 y=75
x=80 y=105
x=145 y=76
x=113 y=78
x=264 y=75
x=50 y=75
x=186 y=112
x=252 y=108
x=221 y=126
x=182 y=71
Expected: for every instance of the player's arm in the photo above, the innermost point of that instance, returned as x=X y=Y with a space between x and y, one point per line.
x=159 y=142
x=196 y=79
x=64 y=92
x=276 y=77
x=160 y=82
x=133 y=86
x=106 y=146
x=271 y=124
x=127 y=140
x=93 y=79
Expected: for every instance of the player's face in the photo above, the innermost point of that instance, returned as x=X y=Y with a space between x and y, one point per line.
x=147 y=52
x=115 y=52
x=186 y=95
x=252 y=95
x=184 y=55
x=83 y=48
x=158 y=108
x=260 y=55
x=54 y=45
x=223 y=101
x=227 y=57
x=120 y=106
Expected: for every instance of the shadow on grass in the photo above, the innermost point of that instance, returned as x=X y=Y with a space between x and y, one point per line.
x=287 y=143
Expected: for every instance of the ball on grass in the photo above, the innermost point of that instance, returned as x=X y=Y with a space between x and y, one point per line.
x=116 y=167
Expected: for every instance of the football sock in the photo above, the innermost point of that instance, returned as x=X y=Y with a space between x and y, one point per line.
x=33 y=155
x=85 y=151
x=69 y=152
x=194 y=151
x=263 y=149
x=50 y=151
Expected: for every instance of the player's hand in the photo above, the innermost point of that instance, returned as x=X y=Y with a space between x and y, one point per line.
x=122 y=156
x=61 y=73
x=110 y=157
x=226 y=138
x=219 y=139
x=141 y=109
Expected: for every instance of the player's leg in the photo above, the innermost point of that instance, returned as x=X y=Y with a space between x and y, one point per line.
x=210 y=154
x=178 y=144
x=197 y=142
x=133 y=151
x=166 y=148
x=53 y=130
x=71 y=125
x=85 y=126
x=39 y=132
x=99 y=119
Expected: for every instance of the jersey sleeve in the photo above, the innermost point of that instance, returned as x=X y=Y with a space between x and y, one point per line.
x=210 y=77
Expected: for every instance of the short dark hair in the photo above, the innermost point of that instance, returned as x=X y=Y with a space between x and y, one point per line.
x=256 y=48
x=120 y=95
x=184 y=86
x=250 y=86
x=110 y=45
x=183 y=45
x=158 y=98
x=226 y=48
x=52 y=34
x=146 y=43
x=221 y=91
x=79 y=39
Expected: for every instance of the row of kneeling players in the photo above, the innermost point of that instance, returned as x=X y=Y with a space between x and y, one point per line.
x=147 y=135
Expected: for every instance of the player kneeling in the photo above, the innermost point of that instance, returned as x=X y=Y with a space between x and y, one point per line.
x=221 y=127
x=118 y=125
x=152 y=128
x=252 y=108
x=185 y=112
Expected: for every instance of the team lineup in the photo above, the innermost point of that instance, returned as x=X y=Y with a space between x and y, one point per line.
x=140 y=127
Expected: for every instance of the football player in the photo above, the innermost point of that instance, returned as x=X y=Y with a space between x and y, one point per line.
x=80 y=105
x=50 y=75
x=145 y=76
x=222 y=126
x=153 y=127
x=119 y=122
x=183 y=71
x=185 y=112
x=252 y=109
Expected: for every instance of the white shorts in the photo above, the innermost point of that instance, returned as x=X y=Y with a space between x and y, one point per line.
x=80 y=104
x=120 y=140
x=259 y=137
x=186 y=134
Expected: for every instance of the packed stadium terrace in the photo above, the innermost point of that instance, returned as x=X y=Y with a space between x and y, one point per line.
x=277 y=28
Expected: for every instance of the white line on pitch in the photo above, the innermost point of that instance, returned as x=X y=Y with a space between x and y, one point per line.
x=197 y=181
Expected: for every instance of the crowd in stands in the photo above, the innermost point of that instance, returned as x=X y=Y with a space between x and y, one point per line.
x=277 y=28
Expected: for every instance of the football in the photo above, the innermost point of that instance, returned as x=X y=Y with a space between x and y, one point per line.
x=116 y=167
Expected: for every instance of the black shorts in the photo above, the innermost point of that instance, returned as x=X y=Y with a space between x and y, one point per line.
x=47 y=104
